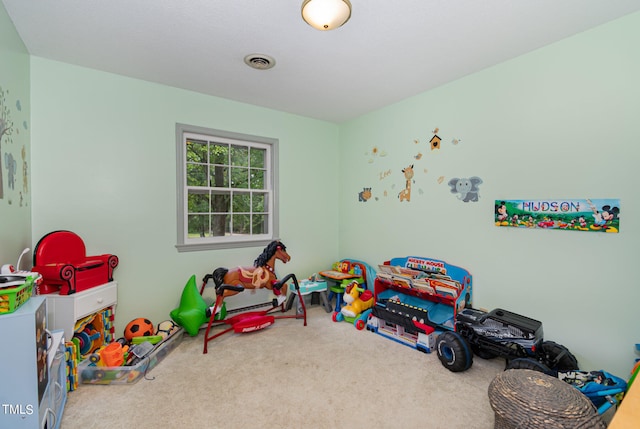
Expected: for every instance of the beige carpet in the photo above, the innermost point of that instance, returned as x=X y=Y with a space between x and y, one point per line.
x=324 y=375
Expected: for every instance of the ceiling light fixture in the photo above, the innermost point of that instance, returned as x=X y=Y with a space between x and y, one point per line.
x=326 y=14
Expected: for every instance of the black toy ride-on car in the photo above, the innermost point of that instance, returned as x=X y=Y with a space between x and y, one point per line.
x=501 y=333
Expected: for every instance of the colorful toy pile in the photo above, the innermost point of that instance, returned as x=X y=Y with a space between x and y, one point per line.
x=350 y=285
x=128 y=358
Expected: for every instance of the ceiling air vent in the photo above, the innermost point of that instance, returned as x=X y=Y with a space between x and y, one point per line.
x=259 y=61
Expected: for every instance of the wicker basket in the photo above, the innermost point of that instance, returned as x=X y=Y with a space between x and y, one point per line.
x=11 y=298
x=527 y=399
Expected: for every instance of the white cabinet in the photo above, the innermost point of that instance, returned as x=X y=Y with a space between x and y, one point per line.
x=65 y=310
x=33 y=391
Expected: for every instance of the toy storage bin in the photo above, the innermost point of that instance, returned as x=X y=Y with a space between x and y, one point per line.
x=11 y=298
x=92 y=374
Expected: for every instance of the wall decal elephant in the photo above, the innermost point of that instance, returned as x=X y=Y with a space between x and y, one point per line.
x=467 y=188
x=11 y=165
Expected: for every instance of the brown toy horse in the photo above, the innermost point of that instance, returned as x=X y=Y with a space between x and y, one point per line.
x=261 y=275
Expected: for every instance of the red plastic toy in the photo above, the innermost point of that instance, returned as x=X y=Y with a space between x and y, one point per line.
x=60 y=257
x=249 y=321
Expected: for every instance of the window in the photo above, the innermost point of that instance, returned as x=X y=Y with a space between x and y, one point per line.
x=227 y=189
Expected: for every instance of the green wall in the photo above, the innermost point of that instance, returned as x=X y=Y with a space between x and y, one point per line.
x=559 y=122
x=15 y=150
x=104 y=166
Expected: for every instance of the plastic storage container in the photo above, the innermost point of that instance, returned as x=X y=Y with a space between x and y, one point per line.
x=92 y=374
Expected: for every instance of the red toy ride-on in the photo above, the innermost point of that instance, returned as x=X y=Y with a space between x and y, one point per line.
x=248 y=321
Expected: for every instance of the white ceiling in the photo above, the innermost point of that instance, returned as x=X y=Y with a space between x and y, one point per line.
x=389 y=49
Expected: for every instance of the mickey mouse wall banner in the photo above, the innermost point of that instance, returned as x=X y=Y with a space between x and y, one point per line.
x=593 y=215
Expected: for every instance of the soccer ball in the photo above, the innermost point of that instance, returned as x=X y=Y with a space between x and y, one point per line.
x=139 y=327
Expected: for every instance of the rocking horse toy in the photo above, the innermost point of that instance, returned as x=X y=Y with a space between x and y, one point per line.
x=229 y=282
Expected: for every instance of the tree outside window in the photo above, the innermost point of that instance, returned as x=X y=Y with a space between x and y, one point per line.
x=227 y=189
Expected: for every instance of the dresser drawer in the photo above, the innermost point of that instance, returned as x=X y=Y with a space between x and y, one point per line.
x=95 y=299
x=65 y=310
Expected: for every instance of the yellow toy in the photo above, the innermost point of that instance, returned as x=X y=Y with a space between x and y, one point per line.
x=357 y=300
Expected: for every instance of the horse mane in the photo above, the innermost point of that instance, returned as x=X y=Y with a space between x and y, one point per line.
x=218 y=276
x=267 y=253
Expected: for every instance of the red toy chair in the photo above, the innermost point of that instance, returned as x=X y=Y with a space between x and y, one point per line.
x=60 y=257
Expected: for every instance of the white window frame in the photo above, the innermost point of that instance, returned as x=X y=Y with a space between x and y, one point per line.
x=186 y=243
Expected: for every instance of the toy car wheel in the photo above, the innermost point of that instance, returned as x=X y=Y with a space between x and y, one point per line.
x=558 y=357
x=337 y=317
x=454 y=352
x=483 y=353
x=527 y=363
x=360 y=324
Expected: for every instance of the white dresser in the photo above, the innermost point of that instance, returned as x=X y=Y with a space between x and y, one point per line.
x=65 y=310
